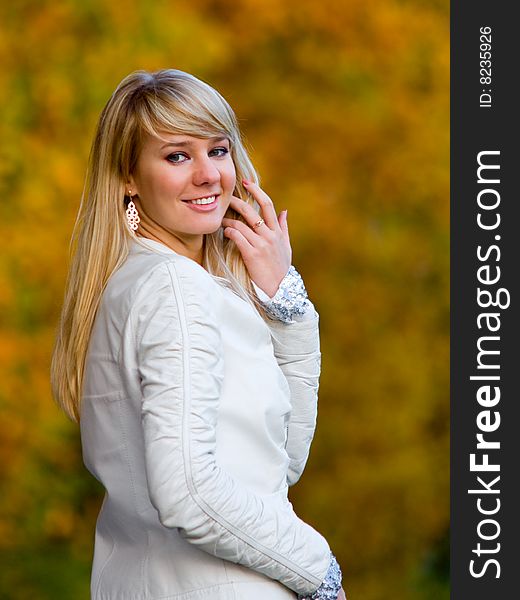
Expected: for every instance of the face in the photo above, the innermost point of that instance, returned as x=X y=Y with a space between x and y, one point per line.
x=171 y=173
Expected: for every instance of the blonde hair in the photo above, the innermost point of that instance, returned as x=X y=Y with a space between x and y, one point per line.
x=144 y=102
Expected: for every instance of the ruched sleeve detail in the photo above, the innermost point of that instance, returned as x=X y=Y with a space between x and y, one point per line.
x=180 y=363
x=297 y=350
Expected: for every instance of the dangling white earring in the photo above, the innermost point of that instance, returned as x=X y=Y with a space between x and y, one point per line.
x=132 y=216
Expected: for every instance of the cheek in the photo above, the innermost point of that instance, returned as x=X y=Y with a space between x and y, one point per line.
x=163 y=181
x=228 y=175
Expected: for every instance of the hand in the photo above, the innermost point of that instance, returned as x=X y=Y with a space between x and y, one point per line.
x=341 y=595
x=266 y=249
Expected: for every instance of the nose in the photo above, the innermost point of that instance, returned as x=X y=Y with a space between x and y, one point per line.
x=205 y=172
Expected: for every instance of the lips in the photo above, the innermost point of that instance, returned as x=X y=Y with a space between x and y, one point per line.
x=201 y=197
x=203 y=206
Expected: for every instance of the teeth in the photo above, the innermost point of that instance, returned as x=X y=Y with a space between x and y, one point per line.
x=203 y=200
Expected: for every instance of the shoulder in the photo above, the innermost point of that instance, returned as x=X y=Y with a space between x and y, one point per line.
x=149 y=278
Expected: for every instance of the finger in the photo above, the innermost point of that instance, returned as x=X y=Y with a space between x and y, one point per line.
x=240 y=240
x=250 y=215
x=282 y=220
x=249 y=233
x=266 y=204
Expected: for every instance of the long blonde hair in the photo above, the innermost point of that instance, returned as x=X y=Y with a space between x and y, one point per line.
x=144 y=102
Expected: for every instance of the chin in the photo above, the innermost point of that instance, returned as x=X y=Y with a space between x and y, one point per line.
x=204 y=229
x=213 y=229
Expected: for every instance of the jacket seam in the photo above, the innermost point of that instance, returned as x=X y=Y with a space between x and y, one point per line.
x=138 y=289
x=192 y=488
x=102 y=571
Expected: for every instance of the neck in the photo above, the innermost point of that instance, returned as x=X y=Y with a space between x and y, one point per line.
x=189 y=245
x=192 y=248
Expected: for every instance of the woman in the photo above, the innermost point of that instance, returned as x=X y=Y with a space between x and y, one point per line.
x=189 y=352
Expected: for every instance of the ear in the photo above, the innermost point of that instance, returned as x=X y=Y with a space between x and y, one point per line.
x=131 y=186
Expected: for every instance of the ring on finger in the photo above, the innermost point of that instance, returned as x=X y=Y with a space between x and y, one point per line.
x=258 y=223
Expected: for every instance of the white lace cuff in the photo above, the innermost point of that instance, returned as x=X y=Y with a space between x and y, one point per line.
x=290 y=300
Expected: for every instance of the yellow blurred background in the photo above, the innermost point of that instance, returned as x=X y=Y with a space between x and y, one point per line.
x=345 y=107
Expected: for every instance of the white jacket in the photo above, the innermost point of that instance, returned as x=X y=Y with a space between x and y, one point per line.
x=196 y=415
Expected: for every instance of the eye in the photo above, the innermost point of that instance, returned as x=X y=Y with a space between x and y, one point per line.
x=169 y=157
x=221 y=149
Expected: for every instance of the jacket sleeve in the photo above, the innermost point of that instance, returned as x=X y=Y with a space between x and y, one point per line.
x=180 y=363
x=297 y=350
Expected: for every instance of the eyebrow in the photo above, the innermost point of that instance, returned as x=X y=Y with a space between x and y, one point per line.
x=190 y=143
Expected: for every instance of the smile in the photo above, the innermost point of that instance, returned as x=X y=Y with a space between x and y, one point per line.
x=204 y=200
x=208 y=204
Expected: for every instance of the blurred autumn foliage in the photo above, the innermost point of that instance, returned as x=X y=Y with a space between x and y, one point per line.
x=345 y=107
